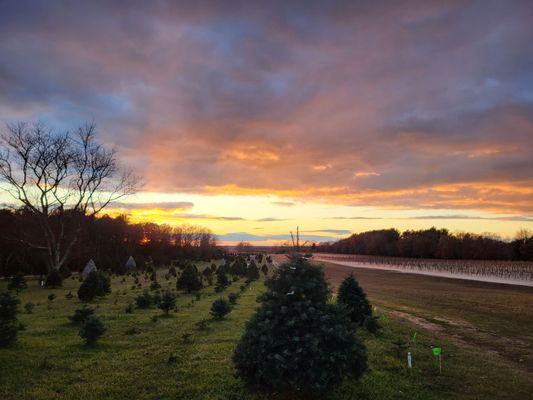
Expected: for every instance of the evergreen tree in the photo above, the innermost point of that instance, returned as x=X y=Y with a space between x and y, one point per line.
x=239 y=267
x=252 y=272
x=167 y=302
x=296 y=341
x=53 y=279
x=352 y=296
x=92 y=329
x=189 y=279
x=96 y=284
x=17 y=282
x=8 y=318
x=222 y=280
x=220 y=308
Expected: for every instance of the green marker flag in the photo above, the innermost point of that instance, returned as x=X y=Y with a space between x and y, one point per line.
x=436 y=351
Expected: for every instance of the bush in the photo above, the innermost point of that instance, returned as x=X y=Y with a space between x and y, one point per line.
x=29 y=307
x=8 y=318
x=96 y=284
x=17 y=282
x=81 y=314
x=189 y=279
x=51 y=297
x=296 y=341
x=92 y=329
x=264 y=270
x=53 y=279
x=172 y=271
x=372 y=325
x=144 y=300
x=65 y=272
x=222 y=280
x=167 y=302
x=239 y=267
x=252 y=272
x=232 y=297
x=220 y=308
x=155 y=285
x=352 y=296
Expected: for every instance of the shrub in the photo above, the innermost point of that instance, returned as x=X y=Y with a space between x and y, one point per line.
x=29 y=307
x=189 y=279
x=81 y=314
x=264 y=270
x=296 y=341
x=65 y=272
x=153 y=276
x=17 y=282
x=172 y=271
x=92 y=329
x=144 y=300
x=8 y=318
x=96 y=284
x=51 y=297
x=232 y=297
x=252 y=272
x=222 y=280
x=167 y=302
x=220 y=308
x=53 y=279
x=372 y=325
x=239 y=267
x=352 y=296
x=155 y=285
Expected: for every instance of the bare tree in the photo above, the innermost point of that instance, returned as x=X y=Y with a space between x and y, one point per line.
x=59 y=178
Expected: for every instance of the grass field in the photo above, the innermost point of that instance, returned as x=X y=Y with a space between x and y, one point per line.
x=171 y=358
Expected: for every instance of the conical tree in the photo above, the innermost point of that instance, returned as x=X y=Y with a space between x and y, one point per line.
x=296 y=341
x=222 y=279
x=352 y=296
x=252 y=272
x=189 y=279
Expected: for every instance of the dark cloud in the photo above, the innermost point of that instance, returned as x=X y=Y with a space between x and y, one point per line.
x=418 y=105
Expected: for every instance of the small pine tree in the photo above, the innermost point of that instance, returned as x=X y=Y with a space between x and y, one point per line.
x=352 y=296
x=220 y=308
x=17 y=282
x=232 y=297
x=9 y=326
x=53 y=279
x=81 y=314
x=92 y=329
x=252 y=272
x=189 y=279
x=144 y=300
x=167 y=302
x=264 y=270
x=96 y=284
x=239 y=267
x=222 y=280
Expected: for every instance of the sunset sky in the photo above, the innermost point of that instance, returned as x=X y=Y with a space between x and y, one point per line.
x=252 y=118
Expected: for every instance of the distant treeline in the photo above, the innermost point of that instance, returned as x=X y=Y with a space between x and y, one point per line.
x=108 y=241
x=431 y=243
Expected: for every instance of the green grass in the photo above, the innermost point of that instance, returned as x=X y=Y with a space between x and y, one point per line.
x=50 y=361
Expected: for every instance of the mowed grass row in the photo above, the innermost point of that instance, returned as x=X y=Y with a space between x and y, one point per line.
x=172 y=358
